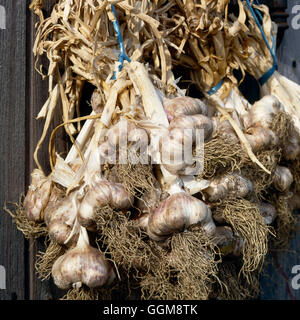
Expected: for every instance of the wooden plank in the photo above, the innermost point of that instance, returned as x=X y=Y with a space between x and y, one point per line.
x=277 y=283
x=12 y=142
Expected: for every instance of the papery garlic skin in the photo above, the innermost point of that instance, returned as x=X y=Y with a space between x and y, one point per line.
x=184 y=106
x=176 y=149
x=123 y=140
x=260 y=138
x=228 y=186
x=283 y=178
x=37 y=196
x=60 y=218
x=82 y=265
x=193 y=122
x=118 y=131
x=176 y=145
x=176 y=213
x=100 y=193
x=262 y=112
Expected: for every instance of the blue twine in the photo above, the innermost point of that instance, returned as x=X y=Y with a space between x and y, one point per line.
x=255 y=12
x=216 y=88
x=122 y=56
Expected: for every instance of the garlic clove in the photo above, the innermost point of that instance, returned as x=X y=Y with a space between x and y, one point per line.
x=260 y=138
x=37 y=196
x=60 y=217
x=194 y=122
x=262 y=112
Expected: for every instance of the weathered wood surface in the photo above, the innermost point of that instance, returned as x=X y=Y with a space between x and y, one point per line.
x=23 y=93
x=277 y=283
x=12 y=135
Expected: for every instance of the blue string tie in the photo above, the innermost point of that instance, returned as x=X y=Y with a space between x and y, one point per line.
x=216 y=88
x=257 y=15
x=122 y=56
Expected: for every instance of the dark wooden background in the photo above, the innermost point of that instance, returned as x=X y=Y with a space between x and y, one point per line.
x=22 y=95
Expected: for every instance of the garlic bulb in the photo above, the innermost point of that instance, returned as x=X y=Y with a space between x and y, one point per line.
x=82 y=265
x=292 y=147
x=283 y=178
x=176 y=150
x=193 y=122
x=268 y=213
x=60 y=218
x=176 y=213
x=37 y=196
x=184 y=106
x=262 y=112
x=102 y=192
x=124 y=140
x=176 y=146
x=228 y=186
x=119 y=131
x=260 y=138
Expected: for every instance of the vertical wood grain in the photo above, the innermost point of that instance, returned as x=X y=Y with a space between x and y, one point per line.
x=12 y=144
